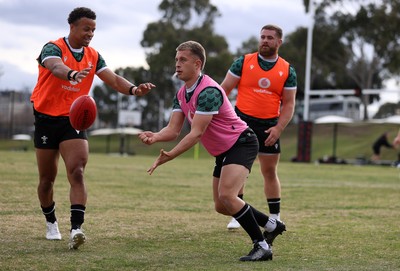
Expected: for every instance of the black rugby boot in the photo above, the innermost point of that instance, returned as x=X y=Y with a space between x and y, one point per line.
x=257 y=254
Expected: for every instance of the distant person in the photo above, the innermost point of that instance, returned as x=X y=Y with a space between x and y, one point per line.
x=267 y=86
x=396 y=140
x=396 y=145
x=66 y=70
x=234 y=145
x=382 y=141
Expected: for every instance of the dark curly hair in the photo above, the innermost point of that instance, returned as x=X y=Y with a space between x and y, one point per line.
x=79 y=13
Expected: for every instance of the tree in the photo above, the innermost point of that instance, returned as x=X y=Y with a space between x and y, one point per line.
x=328 y=56
x=370 y=35
x=355 y=46
x=247 y=46
x=109 y=102
x=181 y=20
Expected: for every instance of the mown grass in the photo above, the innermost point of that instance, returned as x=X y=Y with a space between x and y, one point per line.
x=339 y=217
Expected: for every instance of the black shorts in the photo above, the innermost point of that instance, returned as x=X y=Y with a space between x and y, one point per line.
x=259 y=126
x=243 y=152
x=51 y=131
x=376 y=150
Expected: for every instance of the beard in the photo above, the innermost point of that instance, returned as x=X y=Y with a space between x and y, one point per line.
x=267 y=51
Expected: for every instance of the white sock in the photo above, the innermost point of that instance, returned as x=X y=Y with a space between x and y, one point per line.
x=276 y=216
x=263 y=244
x=271 y=225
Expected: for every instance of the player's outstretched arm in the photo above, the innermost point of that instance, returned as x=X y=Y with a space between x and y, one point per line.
x=122 y=85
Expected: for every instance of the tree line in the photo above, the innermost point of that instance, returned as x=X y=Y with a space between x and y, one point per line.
x=355 y=46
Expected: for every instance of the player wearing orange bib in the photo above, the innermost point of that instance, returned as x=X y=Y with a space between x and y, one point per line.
x=66 y=71
x=267 y=87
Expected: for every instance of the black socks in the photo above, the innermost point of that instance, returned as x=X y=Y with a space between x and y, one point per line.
x=246 y=219
x=274 y=205
x=77 y=216
x=50 y=213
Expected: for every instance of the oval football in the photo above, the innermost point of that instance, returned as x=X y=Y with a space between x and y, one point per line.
x=82 y=113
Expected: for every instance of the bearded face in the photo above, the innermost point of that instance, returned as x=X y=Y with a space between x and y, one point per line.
x=267 y=51
x=268 y=44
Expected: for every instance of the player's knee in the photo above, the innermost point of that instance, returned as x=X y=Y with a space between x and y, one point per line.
x=270 y=175
x=76 y=173
x=45 y=185
x=220 y=208
x=226 y=200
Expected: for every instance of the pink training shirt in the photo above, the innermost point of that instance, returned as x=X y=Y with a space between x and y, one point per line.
x=225 y=126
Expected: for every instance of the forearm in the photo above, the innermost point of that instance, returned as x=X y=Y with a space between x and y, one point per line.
x=285 y=117
x=166 y=134
x=60 y=71
x=185 y=144
x=123 y=86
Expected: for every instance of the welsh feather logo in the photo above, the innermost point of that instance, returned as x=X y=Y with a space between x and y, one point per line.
x=44 y=139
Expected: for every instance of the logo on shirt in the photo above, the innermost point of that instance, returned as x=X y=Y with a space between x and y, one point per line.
x=70 y=88
x=264 y=83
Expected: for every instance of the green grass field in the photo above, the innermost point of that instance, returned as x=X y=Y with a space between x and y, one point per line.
x=339 y=217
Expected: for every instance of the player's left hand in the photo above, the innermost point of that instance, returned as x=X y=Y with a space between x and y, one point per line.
x=82 y=74
x=162 y=158
x=144 y=88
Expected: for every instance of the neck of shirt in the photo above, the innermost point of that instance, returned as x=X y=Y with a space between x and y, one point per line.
x=73 y=49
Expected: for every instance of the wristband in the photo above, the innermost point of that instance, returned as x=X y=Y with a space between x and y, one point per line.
x=69 y=75
x=74 y=76
x=132 y=92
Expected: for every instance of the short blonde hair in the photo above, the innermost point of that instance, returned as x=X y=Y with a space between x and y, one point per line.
x=195 y=48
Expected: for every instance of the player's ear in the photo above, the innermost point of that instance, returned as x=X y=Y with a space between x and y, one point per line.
x=198 y=63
